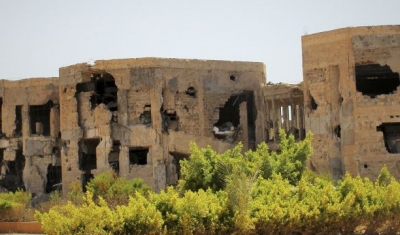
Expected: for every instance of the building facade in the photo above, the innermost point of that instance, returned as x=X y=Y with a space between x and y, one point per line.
x=138 y=116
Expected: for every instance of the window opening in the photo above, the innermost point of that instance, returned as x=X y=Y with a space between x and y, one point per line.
x=18 y=121
x=53 y=178
x=145 y=117
x=176 y=158
x=138 y=156
x=40 y=118
x=11 y=178
x=391 y=136
x=113 y=156
x=373 y=80
x=87 y=154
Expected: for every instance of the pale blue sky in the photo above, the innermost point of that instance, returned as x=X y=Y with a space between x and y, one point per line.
x=37 y=37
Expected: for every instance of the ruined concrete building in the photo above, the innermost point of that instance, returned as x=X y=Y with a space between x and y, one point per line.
x=137 y=116
x=352 y=99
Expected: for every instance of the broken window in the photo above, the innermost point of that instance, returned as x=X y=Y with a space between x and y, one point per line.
x=227 y=125
x=113 y=156
x=373 y=80
x=138 y=156
x=53 y=178
x=391 y=136
x=313 y=104
x=40 y=118
x=172 y=119
x=104 y=90
x=145 y=117
x=176 y=175
x=87 y=154
x=18 y=121
x=11 y=172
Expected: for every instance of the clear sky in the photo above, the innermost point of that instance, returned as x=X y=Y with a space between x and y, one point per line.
x=37 y=37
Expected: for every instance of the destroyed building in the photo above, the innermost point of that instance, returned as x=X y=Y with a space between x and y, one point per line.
x=352 y=99
x=29 y=143
x=137 y=116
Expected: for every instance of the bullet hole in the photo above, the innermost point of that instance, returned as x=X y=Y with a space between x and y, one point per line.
x=337 y=131
x=365 y=166
x=191 y=91
x=232 y=78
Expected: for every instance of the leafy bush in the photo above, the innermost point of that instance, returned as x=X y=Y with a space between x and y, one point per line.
x=258 y=192
x=116 y=190
x=13 y=205
x=194 y=212
x=138 y=217
x=207 y=169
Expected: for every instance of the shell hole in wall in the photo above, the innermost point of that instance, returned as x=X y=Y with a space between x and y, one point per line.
x=104 y=90
x=337 y=131
x=53 y=178
x=228 y=124
x=232 y=77
x=391 y=136
x=191 y=91
x=374 y=79
x=313 y=104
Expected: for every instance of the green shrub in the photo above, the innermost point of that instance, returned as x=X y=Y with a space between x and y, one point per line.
x=116 y=190
x=205 y=168
x=194 y=212
x=14 y=205
x=138 y=217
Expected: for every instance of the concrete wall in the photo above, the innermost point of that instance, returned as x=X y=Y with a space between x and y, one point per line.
x=29 y=126
x=329 y=69
x=162 y=105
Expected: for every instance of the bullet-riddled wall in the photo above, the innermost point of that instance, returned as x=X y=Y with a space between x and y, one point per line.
x=29 y=156
x=139 y=115
x=351 y=96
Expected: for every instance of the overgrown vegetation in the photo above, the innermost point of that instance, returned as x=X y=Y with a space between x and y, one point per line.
x=258 y=192
x=13 y=205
